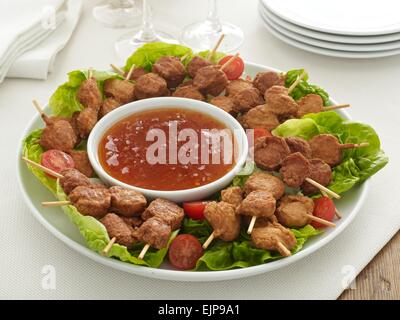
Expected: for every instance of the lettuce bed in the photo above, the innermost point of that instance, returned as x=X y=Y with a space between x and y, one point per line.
x=357 y=166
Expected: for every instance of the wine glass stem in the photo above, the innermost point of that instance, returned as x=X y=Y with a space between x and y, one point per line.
x=212 y=17
x=147 y=32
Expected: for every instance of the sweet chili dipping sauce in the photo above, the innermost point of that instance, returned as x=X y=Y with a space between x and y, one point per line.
x=124 y=151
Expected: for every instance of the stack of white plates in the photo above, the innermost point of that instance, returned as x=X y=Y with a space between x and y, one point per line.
x=339 y=28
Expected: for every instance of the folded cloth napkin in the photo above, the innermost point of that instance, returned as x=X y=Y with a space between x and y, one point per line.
x=37 y=62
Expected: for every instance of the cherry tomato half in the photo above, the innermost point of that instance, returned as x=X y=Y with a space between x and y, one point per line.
x=195 y=210
x=57 y=161
x=261 y=132
x=235 y=69
x=324 y=208
x=184 y=251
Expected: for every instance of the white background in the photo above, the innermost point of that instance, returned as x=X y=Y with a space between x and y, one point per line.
x=371 y=86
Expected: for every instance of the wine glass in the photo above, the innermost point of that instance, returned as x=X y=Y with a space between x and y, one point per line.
x=203 y=35
x=128 y=43
x=118 y=13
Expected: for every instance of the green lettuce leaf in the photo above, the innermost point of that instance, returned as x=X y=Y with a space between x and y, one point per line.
x=241 y=253
x=32 y=150
x=358 y=164
x=92 y=230
x=216 y=57
x=64 y=102
x=148 y=54
x=304 y=88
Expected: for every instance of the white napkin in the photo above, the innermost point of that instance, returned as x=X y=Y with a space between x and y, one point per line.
x=39 y=61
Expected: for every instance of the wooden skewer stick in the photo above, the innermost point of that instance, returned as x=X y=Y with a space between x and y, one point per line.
x=321 y=221
x=251 y=225
x=209 y=240
x=108 y=246
x=322 y=188
x=56 y=203
x=337 y=212
x=283 y=250
x=354 y=145
x=128 y=76
x=90 y=73
x=212 y=52
x=228 y=63
x=294 y=84
x=117 y=69
x=43 y=168
x=184 y=57
x=143 y=252
x=338 y=106
x=39 y=109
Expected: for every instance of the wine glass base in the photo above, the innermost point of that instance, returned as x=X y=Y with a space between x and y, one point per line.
x=204 y=35
x=112 y=17
x=128 y=43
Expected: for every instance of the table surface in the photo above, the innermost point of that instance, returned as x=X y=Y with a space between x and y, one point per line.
x=369 y=85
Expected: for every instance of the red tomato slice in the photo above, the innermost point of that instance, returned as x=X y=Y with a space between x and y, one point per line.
x=261 y=132
x=324 y=208
x=235 y=69
x=184 y=251
x=57 y=161
x=195 y=210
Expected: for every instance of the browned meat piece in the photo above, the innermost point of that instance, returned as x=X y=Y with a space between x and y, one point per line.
x=166 y=210
x=195 y=64
x=238 y=85
x=269 y=152
x=210 y=80
x=278 y=99
x=82 y=162
x=269 y=237
x=297 y=144
x=258 y=203
x=127 y=202
x=150 y=85
x=232 y=195
x=186 y=83
x=155 y=232
x=121 y=90
x=327 y=148
x=108 y=105
x=134 y=222
x=260 y=117
x=171 y=69
x=91 y=202
x=86 y=121
x=293 y=210
x=247 y=99
x=294 y=169
x=136 y=73
x=266 y=182
x=89 y=94
x=58 y=135
x=73 y=178
x=311 y=103
x=320 y=172
x=225 y=103
x=189 y=92
x=116 y=227
x=265 y=80
x=223 y=219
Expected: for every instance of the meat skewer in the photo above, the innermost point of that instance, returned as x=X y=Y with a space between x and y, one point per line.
x=161 y=218
x=273 y=189
x=313 y=103
x=328 y=148
x=224 y=221
x=117 y=69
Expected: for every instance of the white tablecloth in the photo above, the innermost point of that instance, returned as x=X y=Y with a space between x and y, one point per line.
x=371 y=86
